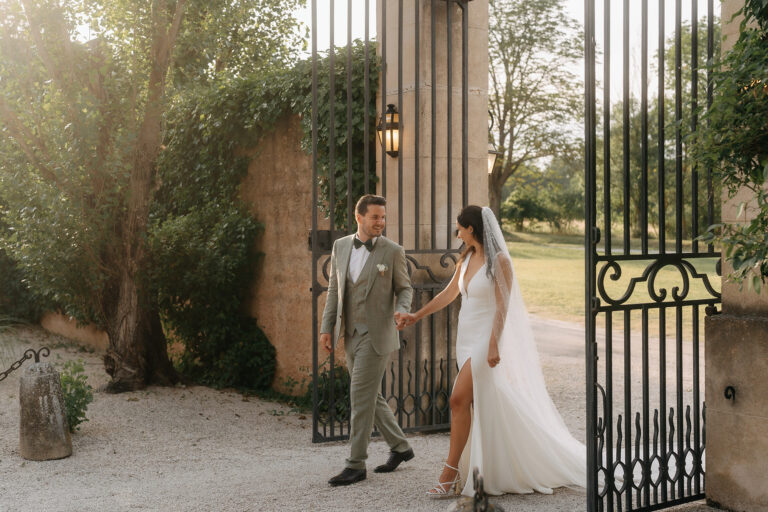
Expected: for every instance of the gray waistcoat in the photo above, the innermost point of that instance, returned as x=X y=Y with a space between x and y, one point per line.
x=354 y=302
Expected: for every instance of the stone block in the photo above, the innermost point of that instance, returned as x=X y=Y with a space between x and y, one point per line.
x=737 y=429
x=44 y=431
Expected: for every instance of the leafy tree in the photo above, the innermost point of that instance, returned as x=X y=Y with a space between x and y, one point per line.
x=734 y=142
x=669 y=163
x=554 y=195
x=534 y=95
x=83 y=128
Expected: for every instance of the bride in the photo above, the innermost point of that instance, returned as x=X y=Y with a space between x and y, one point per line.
x=502 y=419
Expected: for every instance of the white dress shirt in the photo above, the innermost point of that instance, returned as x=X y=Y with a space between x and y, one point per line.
x=357 y=260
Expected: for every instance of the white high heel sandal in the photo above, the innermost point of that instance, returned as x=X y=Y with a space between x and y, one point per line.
x=440 y=490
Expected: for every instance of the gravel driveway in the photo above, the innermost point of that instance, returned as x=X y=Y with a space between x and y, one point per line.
x=199 y=449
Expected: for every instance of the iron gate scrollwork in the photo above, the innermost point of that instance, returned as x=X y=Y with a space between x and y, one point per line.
x=645 y=297
x=418 y=381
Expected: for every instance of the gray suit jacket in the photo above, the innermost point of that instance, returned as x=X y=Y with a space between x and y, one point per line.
x=389 y=290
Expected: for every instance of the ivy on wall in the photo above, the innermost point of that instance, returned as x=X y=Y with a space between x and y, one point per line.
x=356 y=136
x=733 y=142
x=202 y=236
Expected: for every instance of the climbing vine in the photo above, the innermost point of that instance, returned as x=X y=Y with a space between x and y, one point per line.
x=202 y=236
x=733 y=142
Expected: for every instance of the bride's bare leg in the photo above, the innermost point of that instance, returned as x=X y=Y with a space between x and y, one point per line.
x=461 y=400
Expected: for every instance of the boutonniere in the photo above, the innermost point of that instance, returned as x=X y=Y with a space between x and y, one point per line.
x=382 y=268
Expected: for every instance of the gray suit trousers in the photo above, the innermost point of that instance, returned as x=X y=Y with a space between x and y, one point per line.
x=366 y=369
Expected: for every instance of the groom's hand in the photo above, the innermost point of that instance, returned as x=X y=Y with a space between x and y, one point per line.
x=401 y=320
x=325 y=341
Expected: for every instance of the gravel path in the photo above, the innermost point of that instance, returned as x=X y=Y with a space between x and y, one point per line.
x=199 y=449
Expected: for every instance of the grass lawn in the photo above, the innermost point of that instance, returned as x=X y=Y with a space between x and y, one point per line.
x=550 y=270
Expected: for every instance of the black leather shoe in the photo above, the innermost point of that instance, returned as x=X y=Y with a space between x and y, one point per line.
x=395 y=458
x=347 y=477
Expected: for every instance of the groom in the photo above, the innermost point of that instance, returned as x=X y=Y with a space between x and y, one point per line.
x=367 y=283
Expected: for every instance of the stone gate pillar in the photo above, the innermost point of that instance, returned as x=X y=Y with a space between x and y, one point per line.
x=409 y=83
x=737 y=360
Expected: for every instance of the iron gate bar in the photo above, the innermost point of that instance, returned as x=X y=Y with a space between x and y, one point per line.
x=607 y=125
x=350 y=204
x=679 y=468
x=332 y=190
x=449 y=122
x=400 y=106
x=625 y=126
x=433 y=139
x=646 y=413
x=628 y=473
x=661 y=142
x=666 y=257
x=383 y=75
x=696 y=397
x=644 y=127
x=694 y=119
x=367 y=100
x=663 y=469
x=464 y=103
x=416 y=132
x=678 y=132
x=589 y=245
x=332 y=121
x=608 y=410
x=710 y=56
x=315 y=289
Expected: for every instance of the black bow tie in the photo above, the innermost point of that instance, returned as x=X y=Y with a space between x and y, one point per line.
x=368 y=245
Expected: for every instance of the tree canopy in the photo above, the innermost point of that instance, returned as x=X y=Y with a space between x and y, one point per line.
x=534 y=94
x=84 y=93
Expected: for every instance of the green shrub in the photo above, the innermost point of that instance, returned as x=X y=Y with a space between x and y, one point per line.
x=340 y=387
x=238 y=356
x=16 y=299
x=77 y=393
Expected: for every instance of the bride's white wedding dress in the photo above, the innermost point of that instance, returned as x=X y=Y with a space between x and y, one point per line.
x=518 y=439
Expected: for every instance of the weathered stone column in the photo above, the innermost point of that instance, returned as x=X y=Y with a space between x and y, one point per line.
x=43 y=432
x=737 y=357
x=416 y=115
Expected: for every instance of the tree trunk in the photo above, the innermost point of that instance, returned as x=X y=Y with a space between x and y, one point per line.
x=137 y=354
x=494 y=194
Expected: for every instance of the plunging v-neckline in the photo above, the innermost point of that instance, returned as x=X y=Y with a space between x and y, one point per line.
x=466 y=283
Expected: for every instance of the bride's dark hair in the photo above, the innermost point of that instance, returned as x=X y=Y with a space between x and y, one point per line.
x=471 y=216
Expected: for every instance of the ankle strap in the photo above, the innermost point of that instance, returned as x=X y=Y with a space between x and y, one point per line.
x=451 y=467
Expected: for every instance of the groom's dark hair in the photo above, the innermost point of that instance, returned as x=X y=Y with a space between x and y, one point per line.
x=363 y=202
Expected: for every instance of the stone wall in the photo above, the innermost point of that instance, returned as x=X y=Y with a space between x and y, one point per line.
x=86 y=335
x=278 y=190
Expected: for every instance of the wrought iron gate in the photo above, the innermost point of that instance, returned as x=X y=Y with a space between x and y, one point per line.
x=418 y=381
x=646 y=414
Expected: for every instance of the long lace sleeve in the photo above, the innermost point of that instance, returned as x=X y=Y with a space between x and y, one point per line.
x=502 y=284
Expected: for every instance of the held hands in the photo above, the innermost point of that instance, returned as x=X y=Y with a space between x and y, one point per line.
x=493 y=354
x=404 y=320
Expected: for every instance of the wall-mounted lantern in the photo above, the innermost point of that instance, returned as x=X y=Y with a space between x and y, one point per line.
x=389 y=129
x=493 y=154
